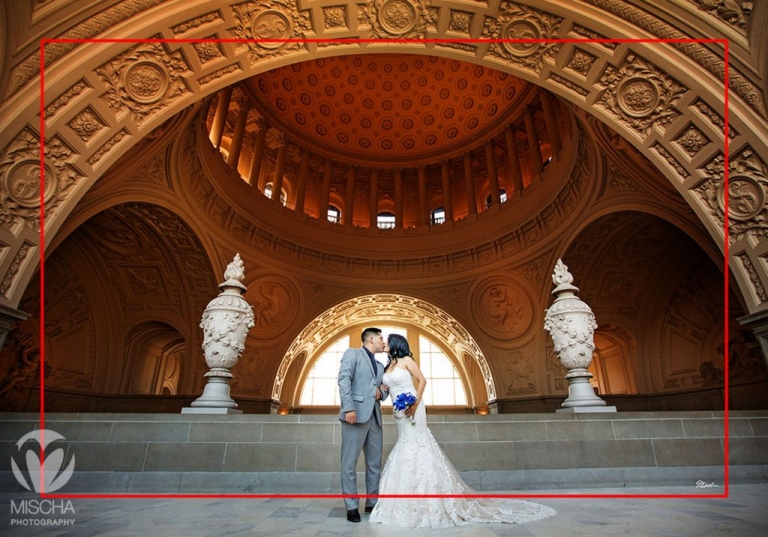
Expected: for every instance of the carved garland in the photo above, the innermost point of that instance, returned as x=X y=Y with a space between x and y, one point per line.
x=144 y=80
x=20 y=179
x=747 y=193
x=271 y=19
x=640 y=94
x=516 y=22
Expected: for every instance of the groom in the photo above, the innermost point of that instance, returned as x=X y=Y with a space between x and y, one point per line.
x=361 y=391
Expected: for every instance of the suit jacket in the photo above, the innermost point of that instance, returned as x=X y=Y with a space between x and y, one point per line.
x=357 y=385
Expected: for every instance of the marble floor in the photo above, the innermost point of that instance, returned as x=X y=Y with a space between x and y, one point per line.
x=743 y=513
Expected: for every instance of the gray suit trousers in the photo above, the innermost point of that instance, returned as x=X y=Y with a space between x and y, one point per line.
x=368 y=438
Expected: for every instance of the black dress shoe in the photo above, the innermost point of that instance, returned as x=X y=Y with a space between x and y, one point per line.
x=369 y=509
x=353 y=515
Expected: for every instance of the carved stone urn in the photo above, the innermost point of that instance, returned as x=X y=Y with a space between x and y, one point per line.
x=225 y=323
x=571 y=324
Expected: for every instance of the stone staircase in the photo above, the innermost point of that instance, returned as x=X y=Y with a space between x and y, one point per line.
x=262 y=453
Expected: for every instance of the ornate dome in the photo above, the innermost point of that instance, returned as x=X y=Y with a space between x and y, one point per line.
x=376 y=107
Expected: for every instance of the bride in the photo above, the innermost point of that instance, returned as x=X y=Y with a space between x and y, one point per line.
x=418 y=466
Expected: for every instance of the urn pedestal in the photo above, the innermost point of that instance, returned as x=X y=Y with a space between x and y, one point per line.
x=225 y=323
x=571 y=324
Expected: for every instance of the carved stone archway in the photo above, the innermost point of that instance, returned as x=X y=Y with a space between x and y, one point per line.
x=665 y=99
x=383 y=308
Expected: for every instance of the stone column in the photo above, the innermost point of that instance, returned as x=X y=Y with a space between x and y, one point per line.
x=513 y=163
x=537 y=166
x=423 y=207
x=373 y=199
x=398 y=198
x=325 y=192
x=9 y=316
x=571 y=324
x=255 y=176
x=470 y=181
x=553 y=133
x=237 y=139
x=493 y=176
x=277 y=179
x=301 y=185
x=447 y=201
x=349 y=198
x=220 y=117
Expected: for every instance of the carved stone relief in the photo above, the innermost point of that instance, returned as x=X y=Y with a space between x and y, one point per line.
x=397 y=18
x=713 y=63
x=66 y=97
x=504 y=310
x=144 y=80
x=640 y=95
x=197 y=22
x=86 y=124
x=734 y=12
x=275 y=304
x=335 y=17
x=20 y=179
x=93 y=26
x=692 y=140
x=519 y=22
x=208 y=50
x=581 y=61
x=260 y=22
x=747 y=183
x=518 y=369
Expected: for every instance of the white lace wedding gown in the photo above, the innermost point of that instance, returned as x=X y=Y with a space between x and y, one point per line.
x=417 y=465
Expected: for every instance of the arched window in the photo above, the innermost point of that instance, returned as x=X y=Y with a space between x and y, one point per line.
x=444 y=385
x=321 y=387
x=437 y=216
x=502 y=198
x=385 y=220
x=334 y=214
x=268 y=193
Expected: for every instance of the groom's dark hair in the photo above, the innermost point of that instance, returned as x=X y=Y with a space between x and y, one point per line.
x=368 y=332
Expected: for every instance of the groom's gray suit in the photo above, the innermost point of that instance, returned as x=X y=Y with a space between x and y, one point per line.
x=357 y=389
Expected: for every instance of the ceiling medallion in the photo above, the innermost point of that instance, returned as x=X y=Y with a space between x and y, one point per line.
x=637 y=96
x=521 y=30
x=146 y=82
x=746 y=197
x=271 y=24
x=397 y=17
x=22 y=183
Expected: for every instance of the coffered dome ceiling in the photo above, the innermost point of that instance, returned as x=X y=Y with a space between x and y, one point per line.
x=376 y=106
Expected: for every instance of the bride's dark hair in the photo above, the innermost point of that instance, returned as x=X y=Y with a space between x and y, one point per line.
x=398 y=348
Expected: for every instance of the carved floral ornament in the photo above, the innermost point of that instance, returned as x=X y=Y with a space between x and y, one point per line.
x=144 y=80
x=640 y=94
x=20 y=179
x=747 y=187
x=260 y=22
x=397 y=18
x=525 y=25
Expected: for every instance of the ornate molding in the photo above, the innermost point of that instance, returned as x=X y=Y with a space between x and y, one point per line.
x=407 y=19
x=523 y=23
x=271 y=19
x=86 y=124
x=757 y=285
x=751 y=94
x=640 y=95
x=384 y=307
x=747 y=191
x=64 y=98
x=20 y=179
x=144 y=80
x=733 y=12
x=197 y=22
x=692 y=140
x=21 y=255
x=95 y=25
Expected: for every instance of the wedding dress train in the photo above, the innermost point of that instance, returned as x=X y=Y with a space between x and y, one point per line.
x=417 y=465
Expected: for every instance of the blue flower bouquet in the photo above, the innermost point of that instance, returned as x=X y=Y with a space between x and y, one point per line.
x=403 y=401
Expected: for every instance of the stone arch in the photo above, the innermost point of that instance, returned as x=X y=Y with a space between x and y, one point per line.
x=386 y=308
x=152 y=363
x=185 y=74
